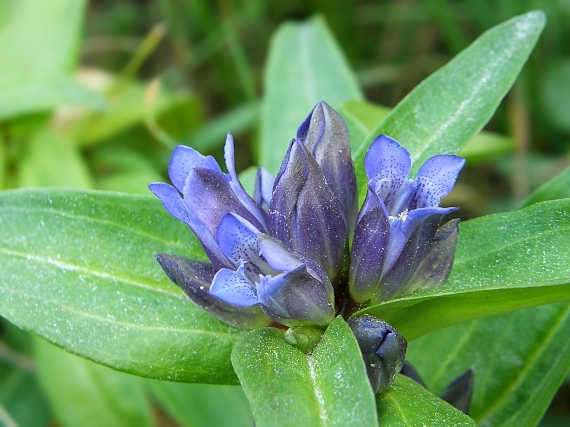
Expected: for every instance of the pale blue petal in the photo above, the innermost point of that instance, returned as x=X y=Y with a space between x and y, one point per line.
x=435 y=180
x=233 y=287
x=183 y=160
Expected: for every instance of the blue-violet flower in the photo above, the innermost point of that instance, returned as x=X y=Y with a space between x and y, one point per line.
x=284 y=253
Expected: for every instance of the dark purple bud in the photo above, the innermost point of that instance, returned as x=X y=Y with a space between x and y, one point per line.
x=383 y=350
x=371 y=239
x=195 y=277
x=304 y=212
x=460 y=392
x=325 y=134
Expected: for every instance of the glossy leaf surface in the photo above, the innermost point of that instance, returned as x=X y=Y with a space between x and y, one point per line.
x=77 y=268
x=329 y=387
x=407 y=404
x=519 y=361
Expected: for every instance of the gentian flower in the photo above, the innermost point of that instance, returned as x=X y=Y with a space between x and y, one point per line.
x=282 y=255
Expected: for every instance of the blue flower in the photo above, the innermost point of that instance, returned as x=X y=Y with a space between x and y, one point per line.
x=284 y=253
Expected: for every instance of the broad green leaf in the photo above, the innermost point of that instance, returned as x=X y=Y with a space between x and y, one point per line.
x=519 y=361
x=503 y=262
x=77 y=268
x=363 y=118
x=201 y=405
x=20 y=391
x=305 y=66
x=557 y=188
x=285 y=387
x=82 y=393
x=452 y=105
x=408 y=404
x=52 y=160
x=38 y=47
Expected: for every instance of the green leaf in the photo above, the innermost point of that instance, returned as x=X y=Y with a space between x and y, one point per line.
x=77 y=268
x=305 y=66
x=452 y=105
x=363 y=118
x=20 y=392
x=329 y=387
x=201 y=405
x=503 y=262
x=407 y=403
x=82 y=393
x=557 y=188
x=529 y=351
x=38 y=47
x=52 y=160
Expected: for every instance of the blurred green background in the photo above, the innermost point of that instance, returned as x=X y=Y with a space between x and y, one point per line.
x=96 y=94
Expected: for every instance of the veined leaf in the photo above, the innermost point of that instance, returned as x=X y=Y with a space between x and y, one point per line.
x=305 y=66
x=408 y=404
x=285 y=387
x=452 y=105
x=503 y=262
x=529 y=351
x=77 y=268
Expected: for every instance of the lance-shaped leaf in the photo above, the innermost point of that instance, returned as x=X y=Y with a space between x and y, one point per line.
x=285 y=387
x=408 y=404
x=452 y=105
x=503 y=262
x=527 y=350
x=78 y=269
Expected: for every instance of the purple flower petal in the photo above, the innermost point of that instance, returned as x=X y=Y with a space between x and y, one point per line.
x=368 y=249
x=263 y=188
x=325 y=134
x=388 y=164
x=177 y=207
x=296 y=298
x=435 y=179
x=236 y=186
x=435 y=266
x=194 y=278
x=234 y=288
x=410 y=241
x=209 y=194
x=304 y=212
x=183 y=160
x=237 y=239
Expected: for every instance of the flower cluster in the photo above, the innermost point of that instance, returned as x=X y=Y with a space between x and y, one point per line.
x=284 y=254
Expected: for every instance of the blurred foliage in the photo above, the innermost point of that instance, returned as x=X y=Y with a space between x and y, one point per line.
x=96 y=94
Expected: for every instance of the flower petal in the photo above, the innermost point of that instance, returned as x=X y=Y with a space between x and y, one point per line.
x=177 y=207
x=209 y=195
x=368 y=248
x=237 y=239
x=194 y=277
x=236 y=186
x=435 y=266
x=233 y=287
x=435 y=179
x=263 y=190
x=410 y=241
x=304 y=212
x=325 y=134
x=183 y=160
x=387 y=163
x=295 y=298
